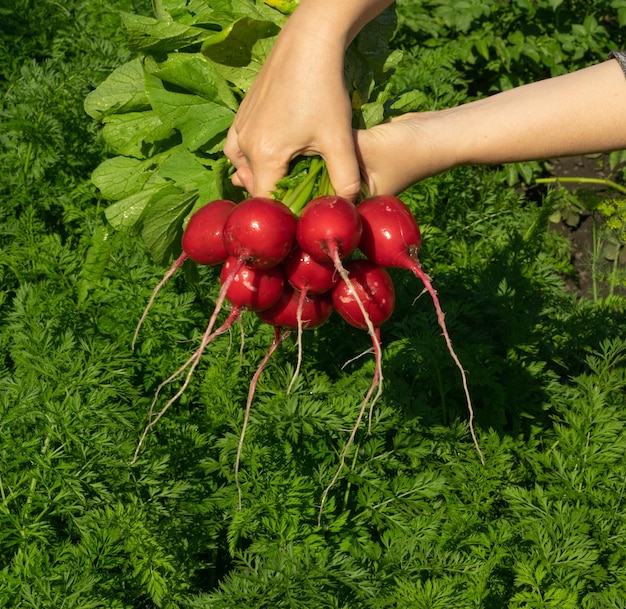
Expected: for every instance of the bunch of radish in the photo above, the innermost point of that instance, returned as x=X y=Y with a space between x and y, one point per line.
x=292 y=263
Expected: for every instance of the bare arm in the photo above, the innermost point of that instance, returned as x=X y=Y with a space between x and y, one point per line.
x=578 y=113
x=298 y=103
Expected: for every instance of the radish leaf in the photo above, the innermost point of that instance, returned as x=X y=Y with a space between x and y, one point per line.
x=162 y=227
x=122 y=91
x=136 y=134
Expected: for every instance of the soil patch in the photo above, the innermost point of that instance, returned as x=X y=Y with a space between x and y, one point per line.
x=581 y=234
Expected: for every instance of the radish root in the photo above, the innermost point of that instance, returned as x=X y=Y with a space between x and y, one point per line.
x=346 y=448
x=193 y=361
x=301 y=299
x=419 y=272
x=177 y=264
x=377 y=380
x=278 y=339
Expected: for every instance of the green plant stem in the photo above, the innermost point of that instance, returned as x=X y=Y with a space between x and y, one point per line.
x=325 y=187
x=602 y=181
x=615 y=269
x=594 y=262
x=301 y=194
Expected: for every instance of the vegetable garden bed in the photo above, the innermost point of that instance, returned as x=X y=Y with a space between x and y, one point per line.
x=415 y=519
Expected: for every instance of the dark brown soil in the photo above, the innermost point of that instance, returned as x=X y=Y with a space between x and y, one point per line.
x=581 y=234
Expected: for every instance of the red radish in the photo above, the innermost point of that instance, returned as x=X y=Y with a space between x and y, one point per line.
x=260 y=232
x=391 y=237
x=296 y=310
x=373 y=285
x=328 y=224
x=257 y=234
x=202 y=242
x=367 y=300
x=329 y=228
x=202 y=239
x=306 y=274
x=254 y=289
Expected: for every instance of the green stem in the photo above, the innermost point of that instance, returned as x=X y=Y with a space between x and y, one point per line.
x=602 y=181
x=297 y=198
x=614 y=270
x=594 y=262
x=325 y=187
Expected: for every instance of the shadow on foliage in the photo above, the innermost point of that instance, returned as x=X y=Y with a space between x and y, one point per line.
x=514 y=332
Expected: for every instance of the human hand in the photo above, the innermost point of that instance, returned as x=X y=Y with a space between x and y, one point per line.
x=298 y=104
x=396 y=154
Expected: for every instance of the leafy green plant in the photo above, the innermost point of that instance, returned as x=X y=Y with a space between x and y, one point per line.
x=165 y=113
x=607 y=217
x=418 y=521
x=508 y=44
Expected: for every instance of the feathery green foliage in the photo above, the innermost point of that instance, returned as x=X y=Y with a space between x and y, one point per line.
x=415 y=521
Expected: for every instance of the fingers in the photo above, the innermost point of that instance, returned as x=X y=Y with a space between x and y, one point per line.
x=344 y=176
x=258 y=173
x=343 y=170
x=261 y=184
x=264 y=178
x=258 y=178
x=243 y=178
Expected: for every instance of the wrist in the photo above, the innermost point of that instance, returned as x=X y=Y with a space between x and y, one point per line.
x=335 y=22
x=436 y=143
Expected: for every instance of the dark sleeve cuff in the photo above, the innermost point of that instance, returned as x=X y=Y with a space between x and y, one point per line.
x=621 y=58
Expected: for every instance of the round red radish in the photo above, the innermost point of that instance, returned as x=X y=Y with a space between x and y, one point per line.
x=203 y=239
x=315 y=309
x=305 y=273
x=252 y=289
x=328 y=223
x=391 y=235
x=260 y=231
x=374 y=288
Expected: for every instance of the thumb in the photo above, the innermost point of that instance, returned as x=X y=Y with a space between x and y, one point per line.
x=343 y=171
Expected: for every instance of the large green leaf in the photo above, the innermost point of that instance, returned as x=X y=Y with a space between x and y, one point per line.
x=198 y=119
x=121 y=176
x=242 y=77
x=122 y=91
x=126 y=213
x=162 y=227
x=195 y=74
x=233 y=45
x=184 y=168
x=136 y=133
x=154 y=36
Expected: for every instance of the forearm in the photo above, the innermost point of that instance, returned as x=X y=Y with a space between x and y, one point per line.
x=578 y=113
